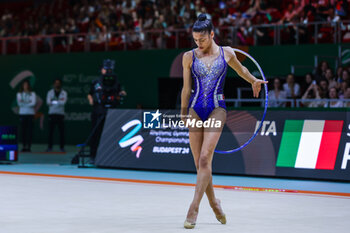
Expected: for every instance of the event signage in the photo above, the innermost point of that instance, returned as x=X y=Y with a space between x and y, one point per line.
x=299 y=144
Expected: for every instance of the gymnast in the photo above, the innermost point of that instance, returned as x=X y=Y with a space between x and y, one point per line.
x=207 y=66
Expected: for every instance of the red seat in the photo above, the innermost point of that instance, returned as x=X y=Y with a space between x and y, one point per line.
x=136 y=45
x=97 y=47
x=11 y=47
x=184 y=40
x=77 y=46
x=25 y=46
x=326 y=34
x=40 y=47
x=60 y=49
x=171 y=42
x=114 y=47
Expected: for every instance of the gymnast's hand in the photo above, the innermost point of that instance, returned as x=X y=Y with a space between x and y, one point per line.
x=184 y=116
x=256 y=86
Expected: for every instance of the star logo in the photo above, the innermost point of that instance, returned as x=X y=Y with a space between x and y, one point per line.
x=151 y=120
x=156 y=115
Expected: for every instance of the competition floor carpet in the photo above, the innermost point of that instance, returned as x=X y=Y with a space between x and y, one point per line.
x=57 y=197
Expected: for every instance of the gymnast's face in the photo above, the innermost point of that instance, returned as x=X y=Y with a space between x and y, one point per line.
x=203 y=40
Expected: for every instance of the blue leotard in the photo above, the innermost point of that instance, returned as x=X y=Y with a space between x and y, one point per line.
x=208 y=85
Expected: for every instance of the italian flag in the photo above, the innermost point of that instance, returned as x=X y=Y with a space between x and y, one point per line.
x=310 y=144
x=11 y=155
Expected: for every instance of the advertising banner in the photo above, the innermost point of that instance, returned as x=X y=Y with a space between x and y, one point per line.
x=302 y=144
x=8 y=143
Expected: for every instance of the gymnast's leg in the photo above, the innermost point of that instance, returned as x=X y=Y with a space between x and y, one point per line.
x=196 y=141
x=217 y=114
x=203 y=143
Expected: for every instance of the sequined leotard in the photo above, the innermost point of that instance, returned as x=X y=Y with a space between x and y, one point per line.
x=208 y=85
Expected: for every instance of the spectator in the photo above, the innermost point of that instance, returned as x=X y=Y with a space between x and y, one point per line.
x=104 y=35
x=94 y=33
x=238 y=19
x=277 y=94
x=339 y=74
x=254 y=6
x=225 y=18
x=246 y=32
x=345 y=76
x=323 y=10
x=291 y=88
x=71 y=26
x=332 y=17
x=128 y=6
x=312 y=94
x=342 y=90
x=347 y=97
x=297 y=31
x=321 y=70
x=299 y=4
x=56 y=99
x=334 y=95
x=289 y=14
x=161 y=23
x=331 y=80
x=26 y=100
x=324 y=88
x=262 y=32
x=307 y=82
x=341 y=8
x=148 y=22
x=136 y=15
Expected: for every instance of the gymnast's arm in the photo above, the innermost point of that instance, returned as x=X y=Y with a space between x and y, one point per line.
x=187 y=82
x=242 y=71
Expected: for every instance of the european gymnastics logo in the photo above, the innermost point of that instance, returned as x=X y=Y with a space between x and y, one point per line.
x=157 y=120
x=130 y=139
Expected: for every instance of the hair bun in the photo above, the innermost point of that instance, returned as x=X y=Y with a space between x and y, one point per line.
x=202 y=17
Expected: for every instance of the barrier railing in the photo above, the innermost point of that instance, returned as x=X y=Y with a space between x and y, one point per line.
x=265 y=34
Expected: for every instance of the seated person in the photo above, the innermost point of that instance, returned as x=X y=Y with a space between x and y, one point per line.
x=324 y=88
x=312 y=93
x=291 y=88
x=308 y=78
x=276 y=94
x=333 y=94
x=346 y=97
x=330 y=78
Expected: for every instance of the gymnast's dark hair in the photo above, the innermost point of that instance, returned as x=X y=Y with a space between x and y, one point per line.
x=203 y=24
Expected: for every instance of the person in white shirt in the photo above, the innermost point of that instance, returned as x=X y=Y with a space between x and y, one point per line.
x=333 y=94
x=26 y=100
x=330 y=78
x=56 y=99
x=291 y=88
x=277 y=94
x=346 y=104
